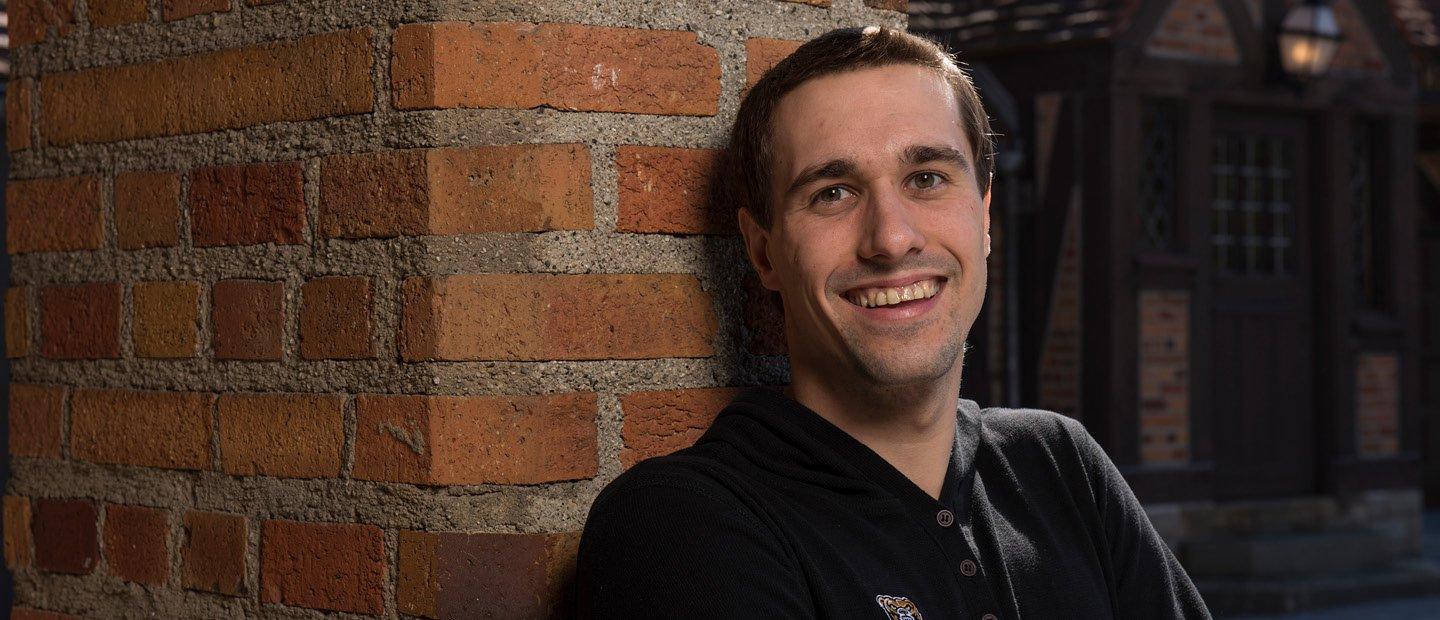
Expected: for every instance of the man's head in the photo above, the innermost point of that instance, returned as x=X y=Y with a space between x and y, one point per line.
x=862 y=167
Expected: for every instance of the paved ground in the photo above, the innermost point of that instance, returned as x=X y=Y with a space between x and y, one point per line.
x=1406 y=609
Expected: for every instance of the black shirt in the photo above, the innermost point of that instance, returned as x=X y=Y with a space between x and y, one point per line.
x=777 y=513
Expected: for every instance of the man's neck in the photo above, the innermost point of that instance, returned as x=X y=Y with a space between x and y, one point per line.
x=911 y=427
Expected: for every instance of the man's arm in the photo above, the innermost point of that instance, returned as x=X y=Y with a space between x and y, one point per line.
x=1148 y=582
x=661 y=551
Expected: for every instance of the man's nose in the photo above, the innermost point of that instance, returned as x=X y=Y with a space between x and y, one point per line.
x=891 y=231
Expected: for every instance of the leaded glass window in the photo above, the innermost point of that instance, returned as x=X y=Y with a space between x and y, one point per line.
x=1158 y=167
x=1252 y=225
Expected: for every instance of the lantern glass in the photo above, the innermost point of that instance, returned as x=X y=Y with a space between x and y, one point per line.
x=1309 y=38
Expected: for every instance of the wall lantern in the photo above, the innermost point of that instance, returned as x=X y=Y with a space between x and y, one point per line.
x=1309 y=37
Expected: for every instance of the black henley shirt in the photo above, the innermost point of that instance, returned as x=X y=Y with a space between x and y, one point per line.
x=777 y=513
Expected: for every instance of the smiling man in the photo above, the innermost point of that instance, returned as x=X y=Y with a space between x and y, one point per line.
x=868 y=488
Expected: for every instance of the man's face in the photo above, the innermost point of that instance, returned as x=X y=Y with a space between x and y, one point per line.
x=878 y=234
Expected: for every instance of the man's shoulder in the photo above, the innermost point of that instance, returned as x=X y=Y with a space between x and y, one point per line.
x=692 y=472
x=1008 y=425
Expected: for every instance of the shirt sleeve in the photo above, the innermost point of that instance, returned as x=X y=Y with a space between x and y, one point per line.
x=660 y=551
x=1147 y=580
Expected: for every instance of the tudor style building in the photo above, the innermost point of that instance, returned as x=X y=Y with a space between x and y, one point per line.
x=1213 y=263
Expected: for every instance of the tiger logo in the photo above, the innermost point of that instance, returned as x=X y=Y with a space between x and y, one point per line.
x=898 y=607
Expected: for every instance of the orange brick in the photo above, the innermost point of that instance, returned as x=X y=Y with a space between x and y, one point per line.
x=556 y=317
x=519 y=188
x=762 y=54
x=17 y=322
x=475 y=439
x=18 y=543
x=335 y=566
x=152 y=429
x=248 y=205
x=566 y=66
x=17 y=114
x=147 y=209
x=32 y=20
x=80 y=320
x=289 y=435
x=137 y=543
x=111 y=13
x=53 y=215
x=335 y=318
x=167 y=318
x=456 y=575
x=35 y=418
x=65 y=535
x=667 y=190
x=658 y=423
x=213 y=556
x=180 y=9
x=308 y=78
x=248 y=318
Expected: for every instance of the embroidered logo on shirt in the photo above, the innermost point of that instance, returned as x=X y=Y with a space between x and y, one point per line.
x=898 y=607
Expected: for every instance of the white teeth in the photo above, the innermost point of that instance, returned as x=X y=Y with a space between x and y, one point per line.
x=875 y=297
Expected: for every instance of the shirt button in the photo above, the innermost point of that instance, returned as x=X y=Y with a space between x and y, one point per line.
x=967 y=568
x=989 y=617
x=945 y=518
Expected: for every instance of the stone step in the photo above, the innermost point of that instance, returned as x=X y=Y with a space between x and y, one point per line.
x=1299 y=553
x=1402 y=579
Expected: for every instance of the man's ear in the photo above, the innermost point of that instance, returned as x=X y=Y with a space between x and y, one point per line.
x=987 y=220
x=757 y=248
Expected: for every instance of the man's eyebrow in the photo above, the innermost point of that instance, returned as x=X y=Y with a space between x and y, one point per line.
x=922 y=154
x=833 y=169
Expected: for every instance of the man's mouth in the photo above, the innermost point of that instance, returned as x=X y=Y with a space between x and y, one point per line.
x=895 y=295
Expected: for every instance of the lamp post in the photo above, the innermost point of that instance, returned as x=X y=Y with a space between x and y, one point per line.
x=1309 y=37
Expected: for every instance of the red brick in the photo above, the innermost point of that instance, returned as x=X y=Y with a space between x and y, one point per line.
x=17 y=322
x=451 y=191
x=80 y=320
x=658 y=423
x=137 y=543
x=65 y=535
x=167 y=319
x=290 y=435
x=308 y=78
x=667 y=190
x=889 y=5
x=336 y=318
x=764 y=318
x=21 y=613
x=32 y=20
x=762 y=54
x=248 y=318
x=335 y=566
x=172 y=10
x=147 y=209
x=475 y=439
x=18 y=540
x=248 y=205
x=556 y=317
x=53 y=215
x=454 y=575
x=17 y=114
x=35 y=418
x=214 y=553
x=111 y=13
x=565 y=66
x=151 y=429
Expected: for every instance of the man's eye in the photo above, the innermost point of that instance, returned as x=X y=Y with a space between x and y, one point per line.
x=831 y=194
x=927 y=180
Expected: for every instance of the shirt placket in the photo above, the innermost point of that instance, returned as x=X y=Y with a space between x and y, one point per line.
x=957 y=539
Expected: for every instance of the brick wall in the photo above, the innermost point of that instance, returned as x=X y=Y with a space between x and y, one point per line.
x=1060 y=357
x=1377 y=404
x=1164 y=380
x=1194 y=30
x=326 y=306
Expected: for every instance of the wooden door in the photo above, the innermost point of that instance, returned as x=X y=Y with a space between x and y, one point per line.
x=1261 y=314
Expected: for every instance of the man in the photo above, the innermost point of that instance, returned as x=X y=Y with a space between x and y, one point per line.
x=868 y=489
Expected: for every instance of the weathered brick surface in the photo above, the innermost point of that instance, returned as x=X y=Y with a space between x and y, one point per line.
x=19 y=548
x=80 y=321
x=667 y=190
x=291 y=435
x=517 y=188
x=454 y=575
x=1164 y=376
x=53 y=215
x=17 y=322
x=336 y=318
x=312 y=77
x=565 y=66
x=65 y=535
x=536 y=317
x=147 y=209
x=111 y=13
x=335 y=566
x=475 y=439
x=213 y=555
x=663 y=421
x=1195 y=30
x=889 y=5
x=1377 y=404
x=166 y=323
x=1060 y=355
x=762 y=54
x=248 y=319
x=180 y=9
x=25 y=613
x=137 y=543
x=248 y=205
x=152 y=429
x=17 y=114
x=35 y=417
x=34 y=20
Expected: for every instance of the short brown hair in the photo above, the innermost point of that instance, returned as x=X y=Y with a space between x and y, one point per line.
x=847 y=49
